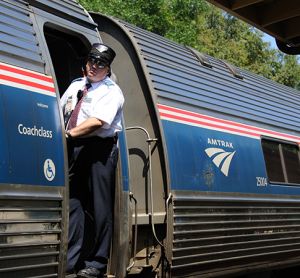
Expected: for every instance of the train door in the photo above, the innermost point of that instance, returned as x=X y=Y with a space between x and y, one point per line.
x=67 y=50
x=73 y=49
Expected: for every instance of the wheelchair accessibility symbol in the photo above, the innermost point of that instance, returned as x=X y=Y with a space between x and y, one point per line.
x=49 y=169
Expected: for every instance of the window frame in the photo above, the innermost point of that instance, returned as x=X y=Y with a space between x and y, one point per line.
x=280 y=142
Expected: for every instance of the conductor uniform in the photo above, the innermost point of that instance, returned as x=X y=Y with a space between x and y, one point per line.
x=92 y=107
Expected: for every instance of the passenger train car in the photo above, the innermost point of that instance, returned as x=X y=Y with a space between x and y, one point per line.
x=208 y=181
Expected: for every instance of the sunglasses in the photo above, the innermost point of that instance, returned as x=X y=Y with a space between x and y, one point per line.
x=94 y=61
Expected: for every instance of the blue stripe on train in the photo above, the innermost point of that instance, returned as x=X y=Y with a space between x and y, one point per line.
x=124 y=160
x=208 y=160
x=31 y=138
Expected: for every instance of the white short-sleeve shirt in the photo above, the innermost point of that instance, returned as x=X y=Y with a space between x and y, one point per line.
x=103 y=101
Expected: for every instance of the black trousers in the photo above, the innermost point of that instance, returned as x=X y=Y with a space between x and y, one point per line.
x=92 y=164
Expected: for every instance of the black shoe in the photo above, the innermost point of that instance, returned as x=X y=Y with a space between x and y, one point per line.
x=90 y=272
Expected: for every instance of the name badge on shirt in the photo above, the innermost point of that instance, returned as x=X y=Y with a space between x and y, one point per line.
x=68 y=107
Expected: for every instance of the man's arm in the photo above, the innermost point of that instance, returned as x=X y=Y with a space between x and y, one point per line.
x=86 y=127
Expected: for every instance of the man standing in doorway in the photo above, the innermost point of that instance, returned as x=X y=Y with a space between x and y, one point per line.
x=92 y=108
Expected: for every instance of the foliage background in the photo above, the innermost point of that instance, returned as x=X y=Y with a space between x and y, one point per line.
x=206 y=28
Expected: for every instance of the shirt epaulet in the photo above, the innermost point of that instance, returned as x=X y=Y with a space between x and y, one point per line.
x=109 y=83
x=77 y=79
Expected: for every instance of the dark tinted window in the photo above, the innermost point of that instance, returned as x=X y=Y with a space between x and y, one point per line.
x=282 y=161
x=273 y=161
x=292 y=163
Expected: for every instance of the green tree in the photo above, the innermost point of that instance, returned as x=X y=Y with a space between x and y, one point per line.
x=182 y=17
x=289 y=71
x=146 y=14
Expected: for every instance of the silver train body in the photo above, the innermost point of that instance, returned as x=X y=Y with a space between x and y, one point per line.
x=208 y=181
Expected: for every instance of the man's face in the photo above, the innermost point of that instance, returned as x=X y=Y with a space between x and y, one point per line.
x=95 y=72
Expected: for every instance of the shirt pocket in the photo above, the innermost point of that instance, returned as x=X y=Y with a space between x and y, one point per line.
x=86 y=108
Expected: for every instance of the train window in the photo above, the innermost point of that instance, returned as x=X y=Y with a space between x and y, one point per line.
x=282 y=161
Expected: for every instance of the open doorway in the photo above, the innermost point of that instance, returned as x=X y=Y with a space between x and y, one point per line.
x=68 y=51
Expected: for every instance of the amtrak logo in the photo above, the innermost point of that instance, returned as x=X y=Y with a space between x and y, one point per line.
x=220 y=158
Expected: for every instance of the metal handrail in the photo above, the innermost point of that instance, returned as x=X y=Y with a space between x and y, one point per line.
x=131 y=196
x=149 y=141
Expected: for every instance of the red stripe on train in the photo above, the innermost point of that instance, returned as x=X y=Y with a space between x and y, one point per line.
x=26 y=73
x=193 y=114
x=27 y=83
x=209 y=124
